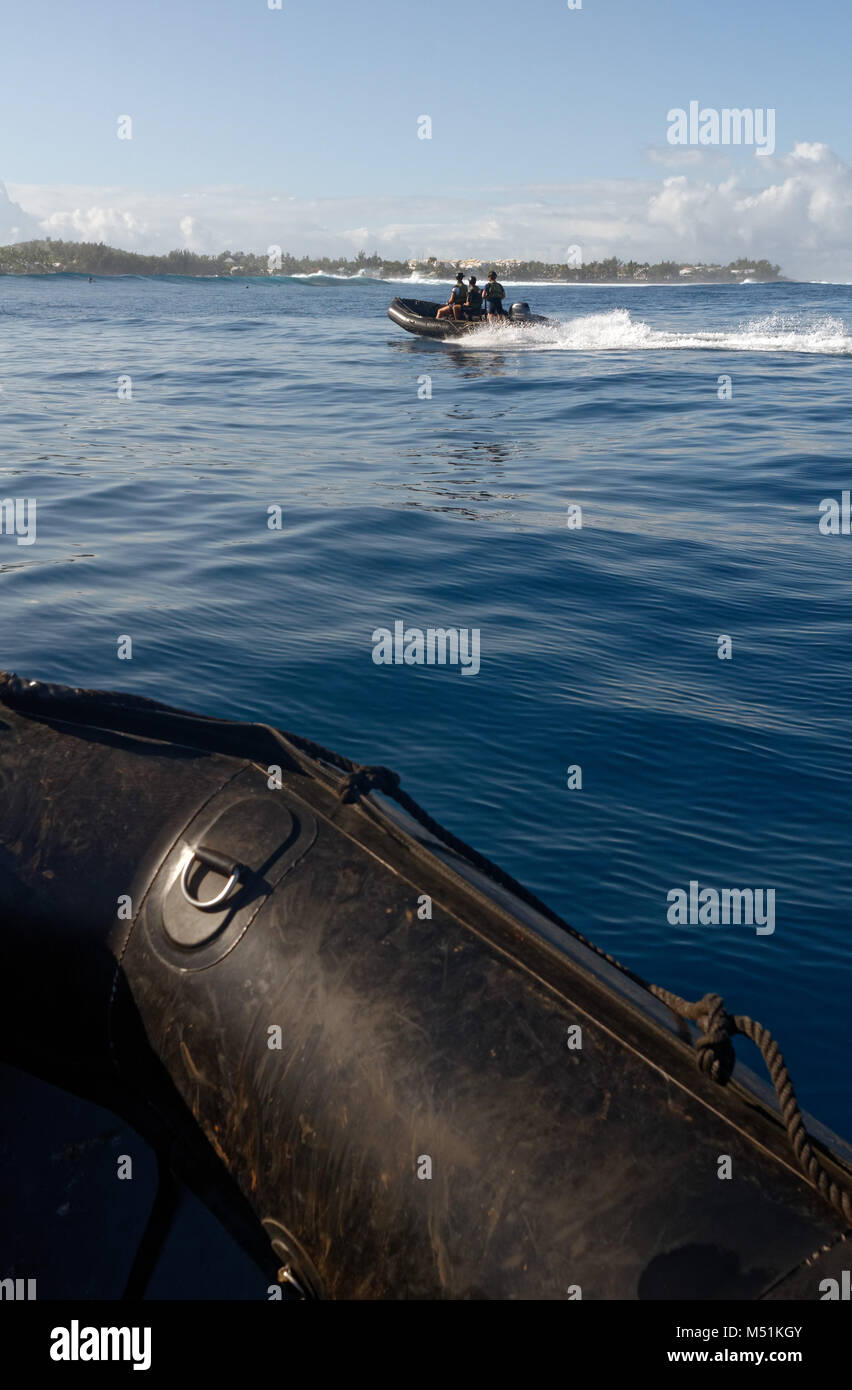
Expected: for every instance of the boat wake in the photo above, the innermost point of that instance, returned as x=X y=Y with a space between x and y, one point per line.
x=617 y=331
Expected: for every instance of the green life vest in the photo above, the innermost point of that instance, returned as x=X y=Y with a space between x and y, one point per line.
x=459 y=293
x=494 y=290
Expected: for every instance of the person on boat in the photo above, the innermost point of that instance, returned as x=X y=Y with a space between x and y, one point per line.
x=494 y=296
x=473 y=303
x=454 y=307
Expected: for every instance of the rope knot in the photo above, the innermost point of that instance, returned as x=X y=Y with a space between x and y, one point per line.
x=368 y=779
x=715 y=1050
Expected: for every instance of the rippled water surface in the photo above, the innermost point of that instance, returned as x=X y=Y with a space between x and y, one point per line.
x=599 y=645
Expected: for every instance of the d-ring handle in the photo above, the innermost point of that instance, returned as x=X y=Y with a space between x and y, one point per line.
x=212 y=859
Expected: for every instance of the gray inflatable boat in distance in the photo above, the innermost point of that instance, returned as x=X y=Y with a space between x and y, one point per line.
x=420 y=316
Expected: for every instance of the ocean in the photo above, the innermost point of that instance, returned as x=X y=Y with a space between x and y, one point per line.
x=250 y=478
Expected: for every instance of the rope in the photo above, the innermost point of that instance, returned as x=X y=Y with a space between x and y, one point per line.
x=369 y=779
x=714 y=1048
x=715 y=1056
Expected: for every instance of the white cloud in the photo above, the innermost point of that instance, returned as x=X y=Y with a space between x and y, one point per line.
x=93 y=224
x=795 y=209
x=192 y=239
x=15 y=224
x=802 y=217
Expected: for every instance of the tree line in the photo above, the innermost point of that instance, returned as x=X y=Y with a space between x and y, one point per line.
x=95 y=258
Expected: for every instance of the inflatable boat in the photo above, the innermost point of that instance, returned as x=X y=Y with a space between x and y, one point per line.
x=420 y=316
x=389 y=1069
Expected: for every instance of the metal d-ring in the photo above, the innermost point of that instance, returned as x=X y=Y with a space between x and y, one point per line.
x=211 y=859
x=286 y=1276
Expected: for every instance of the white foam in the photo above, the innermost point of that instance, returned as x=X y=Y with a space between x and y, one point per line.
x=616 y=331
x=334 y=275
x=415 y=279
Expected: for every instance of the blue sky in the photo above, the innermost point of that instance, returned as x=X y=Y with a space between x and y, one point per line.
x=314 y=102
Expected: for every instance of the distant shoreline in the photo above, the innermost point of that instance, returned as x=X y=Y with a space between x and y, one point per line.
x=437 y=282
x=95 y=259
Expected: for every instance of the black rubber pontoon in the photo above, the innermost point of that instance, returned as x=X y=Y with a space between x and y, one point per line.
x=419 y=316
x=360 y=1056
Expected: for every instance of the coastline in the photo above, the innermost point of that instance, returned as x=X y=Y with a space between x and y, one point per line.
x=47 y=257
x=320 y=275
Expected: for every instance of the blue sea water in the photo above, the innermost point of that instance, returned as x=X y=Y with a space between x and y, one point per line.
x=599 y=645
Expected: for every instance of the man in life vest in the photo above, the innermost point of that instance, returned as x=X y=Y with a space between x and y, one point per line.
x=473 y=303
x=494 y=296
x=454 y=307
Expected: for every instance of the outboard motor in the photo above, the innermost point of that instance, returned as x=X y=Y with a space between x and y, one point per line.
x=520 y=310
